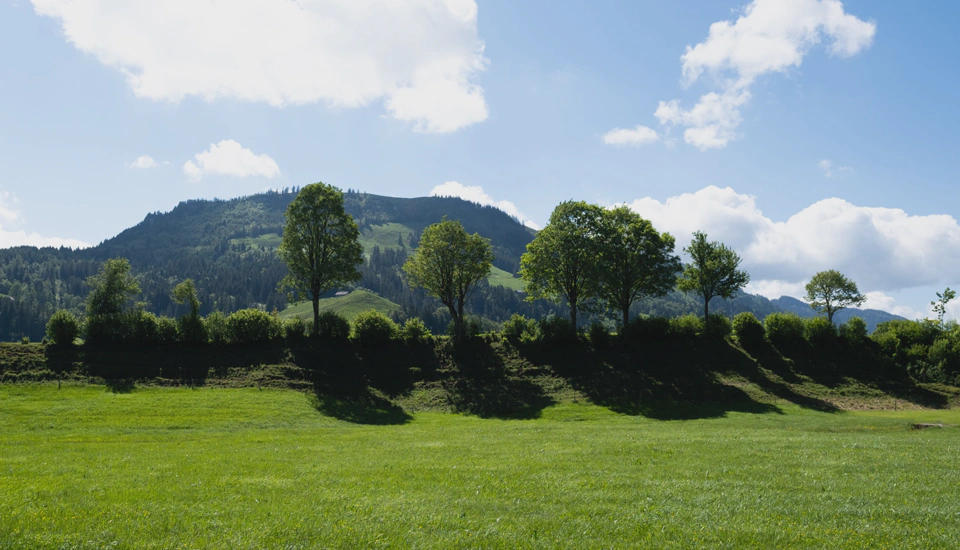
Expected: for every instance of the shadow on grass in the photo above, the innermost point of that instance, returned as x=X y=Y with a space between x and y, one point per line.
x=481 y=384
x=120 y=385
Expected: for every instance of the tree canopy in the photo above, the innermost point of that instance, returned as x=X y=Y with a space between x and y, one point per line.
x=111 y=288
x=561 y=262
x=713 y=271
x=320 y=245
x=830 y=291
x=448 y=264
x=634 y=260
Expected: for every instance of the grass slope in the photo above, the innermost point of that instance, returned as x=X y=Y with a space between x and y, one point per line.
x=348 y=306
x=83 y=467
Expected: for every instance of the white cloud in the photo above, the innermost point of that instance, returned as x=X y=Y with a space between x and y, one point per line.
x=143 y=161
x=475 y=193
x=641 y=135
x=420 y=57
x=770 y=36
x=9 y=215
x=231 y=159
x=882 y=249
x=829 y=170
x=879 y=300
x=774 y=289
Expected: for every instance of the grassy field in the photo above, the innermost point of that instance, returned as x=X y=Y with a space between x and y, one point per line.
x=348 y=306
x=84 y=467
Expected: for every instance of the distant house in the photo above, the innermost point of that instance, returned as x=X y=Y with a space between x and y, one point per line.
x=342 y=293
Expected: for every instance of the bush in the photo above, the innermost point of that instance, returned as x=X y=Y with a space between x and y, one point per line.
x=145 y=330
x=62 y=328
x=167 y=332
x=689 y=326
x=820 y=332
x=784 y=330
x=641 y=329
x=472 y=327
x=294 y=329
x=854 y=332
x=112 y=329
x=747 y=329
x=192 y=330
x=555 y=330
x=599 y=336
x=216 y=328
x=519 y=329
x=333 y=326
x=249 y=326
x=718 y=326
x=372 y=328
x=414 y=331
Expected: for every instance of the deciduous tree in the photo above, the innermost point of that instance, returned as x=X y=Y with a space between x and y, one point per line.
x=448 y=263
x=634 y=260
x=713 y=271
x=829 y=292
x=561 y=262
x=320 y=245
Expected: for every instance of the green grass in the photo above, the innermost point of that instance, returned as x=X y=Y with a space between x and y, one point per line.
x=499 y=277
x=268 y=240
x=385 y=236
x=348 y=306
x=83 y=467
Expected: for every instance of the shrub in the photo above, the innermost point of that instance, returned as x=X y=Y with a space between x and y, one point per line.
x=747 y=329
x=820 y=332
x=167 y=332
x=372 y=328
x=718 y=326
x=414 y=331
x=472 y=327
x=294 y=329
x=647 y=329
x=689 y=326
x=599 y=336
x=192 y=330
x=112 y=329
x=854 y=332
x=62 y=328
x=249 y=326
x=333 y=326
x=216 y=328
x=146 y=329
x=555 y=330
x=784 y=329
x=519 y=329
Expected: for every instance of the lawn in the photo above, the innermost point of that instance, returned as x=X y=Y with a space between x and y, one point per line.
x=84 y=467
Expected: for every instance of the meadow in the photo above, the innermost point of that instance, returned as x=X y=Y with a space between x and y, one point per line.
x=87 y=466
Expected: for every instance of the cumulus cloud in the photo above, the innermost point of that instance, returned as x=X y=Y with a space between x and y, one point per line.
x=10 y=236
x=879 y=300
x=229 y=158
x=770 y=36
x=882 y=249
x=641 y=135
x=143 y=161
x=420 y=57
x=829 y=170
x=475 y=193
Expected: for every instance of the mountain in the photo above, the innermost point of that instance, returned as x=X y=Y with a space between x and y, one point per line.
x=228 y=247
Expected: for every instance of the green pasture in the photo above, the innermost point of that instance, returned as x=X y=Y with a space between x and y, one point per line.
x=90 y=467
x=348 y=306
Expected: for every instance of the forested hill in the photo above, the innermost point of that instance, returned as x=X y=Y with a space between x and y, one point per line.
x=228 y=248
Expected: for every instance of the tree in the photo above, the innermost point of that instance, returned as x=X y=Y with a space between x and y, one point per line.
x=713 y=271
x=320 y=245
x=448 y=264
x=562 y=259
x=634 y=260
x=829 y=292
x=940 y=306
x=191 y=325
x=111 y=288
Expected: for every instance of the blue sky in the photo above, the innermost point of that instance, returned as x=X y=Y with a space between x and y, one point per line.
x=832 y=142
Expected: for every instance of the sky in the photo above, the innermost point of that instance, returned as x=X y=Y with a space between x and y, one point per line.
x=805 y=134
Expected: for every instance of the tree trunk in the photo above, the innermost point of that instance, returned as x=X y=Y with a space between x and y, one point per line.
x=316 y=315
x=573 y=317
x=626 y=317
x=457 y=323
x=706 y=310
